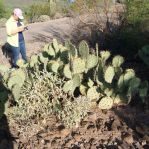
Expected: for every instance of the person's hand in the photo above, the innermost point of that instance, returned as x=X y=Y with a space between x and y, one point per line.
x=21 y=28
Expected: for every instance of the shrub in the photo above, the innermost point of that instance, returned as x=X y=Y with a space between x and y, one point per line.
x=2 y=9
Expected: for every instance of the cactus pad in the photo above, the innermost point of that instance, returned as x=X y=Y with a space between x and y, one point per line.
x=33 y=60
x=78 y=65
x=55 y=45
x=92 y=94
x=117 y=61
x=83 y=49
x=67 y=72
x=106 y=103
x=109 y=74
x=104 y=56
x=92 y=61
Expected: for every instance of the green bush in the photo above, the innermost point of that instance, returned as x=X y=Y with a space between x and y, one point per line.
x=45 y=8
x=2 y=9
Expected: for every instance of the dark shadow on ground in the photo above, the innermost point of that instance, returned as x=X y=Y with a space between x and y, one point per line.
x=7 y=52
x=137 y=120
x=6 y=138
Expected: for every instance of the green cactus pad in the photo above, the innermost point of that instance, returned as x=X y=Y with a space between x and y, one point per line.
x=83 y=90
x=16 y=92
x=54 y=65
x=68 y=86
x=15 y=80
x=78 y=65
x=104 y=56
x=90 y=83
x=129 y=74
x=55 y=45
x=67 y=72
x=92 y=93
x=83 y=49
x=42 y=58
x=62 y=48
x=106 y=103
x=76 y=81
x=51 y=51
x=46 y=47
x=109 y=74
x=91 y=62
x=21 y=63
x=120 y=82
x=117 y=61
x=33 y=60
x=20 y=73
x=108 y=92
x=134 y=84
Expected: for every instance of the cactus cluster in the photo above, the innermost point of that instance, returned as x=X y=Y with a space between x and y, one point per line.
x=14 y=80
x=99 y=79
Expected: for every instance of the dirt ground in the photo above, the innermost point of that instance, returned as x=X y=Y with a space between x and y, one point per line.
x=119 y=128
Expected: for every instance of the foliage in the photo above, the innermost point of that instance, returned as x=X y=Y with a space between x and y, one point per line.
x=50 y=81
x=2 y=9
x=144 y=54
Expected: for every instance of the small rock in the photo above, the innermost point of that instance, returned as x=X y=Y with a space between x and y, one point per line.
x=43 y=18
x=129 y=139
x=58 y=16
x=43 y=141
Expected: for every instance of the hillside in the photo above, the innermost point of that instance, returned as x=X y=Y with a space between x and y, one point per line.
x=20 y=3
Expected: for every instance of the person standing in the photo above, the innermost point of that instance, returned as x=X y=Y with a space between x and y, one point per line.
x=15 y=38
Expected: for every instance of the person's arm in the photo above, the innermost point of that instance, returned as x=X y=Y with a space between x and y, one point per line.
x=13 y=31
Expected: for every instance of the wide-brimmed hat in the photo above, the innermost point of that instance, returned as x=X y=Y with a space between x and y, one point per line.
x=18 y=13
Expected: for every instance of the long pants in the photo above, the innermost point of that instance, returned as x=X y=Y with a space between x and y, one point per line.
x=16 y=51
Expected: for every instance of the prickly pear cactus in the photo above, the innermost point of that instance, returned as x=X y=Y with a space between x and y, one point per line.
x=106 y=103
x=72 y=84
x=83 y=90
x=83 y=49
x=43 y=59
x=50 y=50
x=33 y=60
x=93 y=94
x=109 y=74
x=65 y=57
x=3 y=69
x=55 y=45
x=78 y=65
x=91 y=62
x=67 y=72
x=21 y=63
x=68 y=86
x=53 y=66
x=117 y=61
x=129 y=74
x=16 y=90
x=134 y=85
x=104 y=56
